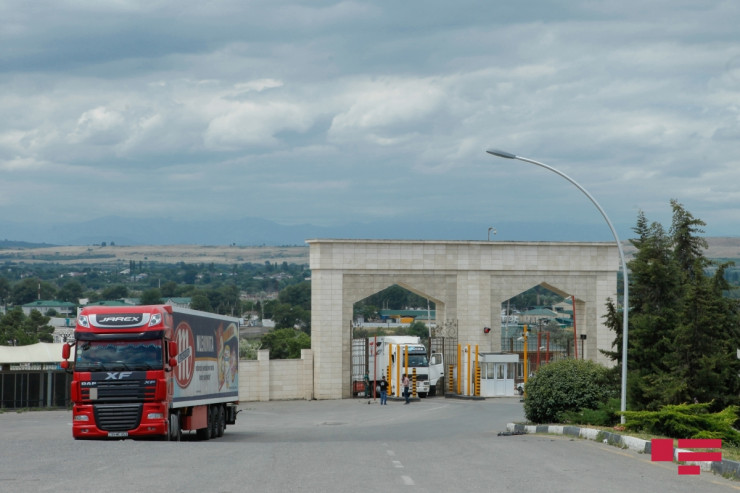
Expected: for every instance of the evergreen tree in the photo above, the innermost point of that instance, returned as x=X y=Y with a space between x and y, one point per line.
x=683 y=330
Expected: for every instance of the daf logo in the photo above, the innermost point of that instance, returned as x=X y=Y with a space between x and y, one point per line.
x=118 y=375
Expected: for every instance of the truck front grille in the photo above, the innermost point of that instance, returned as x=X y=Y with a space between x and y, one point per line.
x=118 y=417
x=121 y=391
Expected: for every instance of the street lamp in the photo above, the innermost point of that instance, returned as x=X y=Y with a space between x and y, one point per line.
x=625 y=317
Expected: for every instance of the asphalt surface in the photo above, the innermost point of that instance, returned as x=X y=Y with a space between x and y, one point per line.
x=432 y=445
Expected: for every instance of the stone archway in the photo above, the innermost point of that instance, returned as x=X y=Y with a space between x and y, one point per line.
x=468 y=280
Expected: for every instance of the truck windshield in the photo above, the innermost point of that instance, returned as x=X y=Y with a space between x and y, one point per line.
x=418 y=360
x=118 y=355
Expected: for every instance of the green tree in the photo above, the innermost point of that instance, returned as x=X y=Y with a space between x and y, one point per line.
x=10 y=327
x=285 y=343
x=36 y=328
x=417 y=329
x=4 y=290
x=116 y=292
x=71 y=291
x=288 y=316
x=683 y=329
x=31 y=289
x=297 y=295
x=17 y=329
x=169 y=289
x=151 y=297
x=200 y=301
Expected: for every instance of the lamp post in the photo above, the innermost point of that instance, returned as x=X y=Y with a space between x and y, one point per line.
x=625 y=311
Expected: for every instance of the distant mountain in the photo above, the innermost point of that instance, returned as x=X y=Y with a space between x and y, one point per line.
x=23 y=244
x=254 y=231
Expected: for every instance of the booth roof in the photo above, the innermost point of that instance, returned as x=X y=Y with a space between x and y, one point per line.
x=42 y=352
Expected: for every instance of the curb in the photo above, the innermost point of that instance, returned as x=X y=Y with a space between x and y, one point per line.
x=464 y=397
x=726 y=468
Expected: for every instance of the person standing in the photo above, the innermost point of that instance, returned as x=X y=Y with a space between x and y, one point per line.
x=383 y=391
x=405 y=382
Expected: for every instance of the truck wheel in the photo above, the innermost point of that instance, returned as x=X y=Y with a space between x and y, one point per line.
x=174 y=433
x=202 y=433
x=212 y=421
x=221 y=422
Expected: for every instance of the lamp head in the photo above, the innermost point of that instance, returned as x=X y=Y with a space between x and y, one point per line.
x=500 y=153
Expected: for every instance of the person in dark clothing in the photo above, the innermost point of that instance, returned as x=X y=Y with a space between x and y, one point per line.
x=383 y=391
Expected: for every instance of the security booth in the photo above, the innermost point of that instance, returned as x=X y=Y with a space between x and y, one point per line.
x=498 y=371
x=31 y=377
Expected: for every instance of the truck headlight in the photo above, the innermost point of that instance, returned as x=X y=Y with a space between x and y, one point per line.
x=154 y=416
x=82 y=417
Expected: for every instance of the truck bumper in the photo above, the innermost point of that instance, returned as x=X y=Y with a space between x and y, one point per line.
x=152 y=422
x=422 y=387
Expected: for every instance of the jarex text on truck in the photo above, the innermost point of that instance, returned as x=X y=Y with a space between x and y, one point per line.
x=152 y=371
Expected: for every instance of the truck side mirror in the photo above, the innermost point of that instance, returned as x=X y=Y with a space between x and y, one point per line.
x=172 y=349
x=173 y=362
x=65 y=351
x=64 y=364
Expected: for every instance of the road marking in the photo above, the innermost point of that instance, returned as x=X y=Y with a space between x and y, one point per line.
x=391 y=453
x=397 y=464
x=408 y=481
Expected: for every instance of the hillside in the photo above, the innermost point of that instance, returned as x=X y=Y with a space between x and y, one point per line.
x=719 y=247
x=155 y=253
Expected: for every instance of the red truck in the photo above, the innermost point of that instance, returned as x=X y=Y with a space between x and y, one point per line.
x=153 y=371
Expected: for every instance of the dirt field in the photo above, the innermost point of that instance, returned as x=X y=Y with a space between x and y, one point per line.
x=157 y=253
x=720 y=247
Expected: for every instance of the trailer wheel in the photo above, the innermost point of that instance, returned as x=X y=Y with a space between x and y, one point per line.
x=212 y=422
x=221 y=421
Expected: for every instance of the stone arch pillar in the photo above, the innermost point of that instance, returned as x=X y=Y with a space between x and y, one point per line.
x=467 y=280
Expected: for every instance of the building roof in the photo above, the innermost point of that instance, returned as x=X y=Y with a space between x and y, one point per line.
x=41 y=352
x=49 y=304
x=540 y=311
x=422 y=313
x=109 y=303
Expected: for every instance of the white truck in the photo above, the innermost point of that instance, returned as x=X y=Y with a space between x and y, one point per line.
x=386 y=355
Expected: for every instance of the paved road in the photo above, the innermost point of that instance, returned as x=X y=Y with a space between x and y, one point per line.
x=433 y=445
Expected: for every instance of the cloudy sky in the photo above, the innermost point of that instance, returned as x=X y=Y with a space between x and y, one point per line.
x=328 y=112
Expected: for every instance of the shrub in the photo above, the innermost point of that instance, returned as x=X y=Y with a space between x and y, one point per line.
x=686 y=421
x=566 y=385
x=606 y=414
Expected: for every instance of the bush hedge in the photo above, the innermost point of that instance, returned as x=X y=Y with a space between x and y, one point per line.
x=687 y=421
x=566 y=386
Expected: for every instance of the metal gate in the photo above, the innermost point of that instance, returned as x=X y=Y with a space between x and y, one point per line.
x=359 y=358
x=445 y=343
